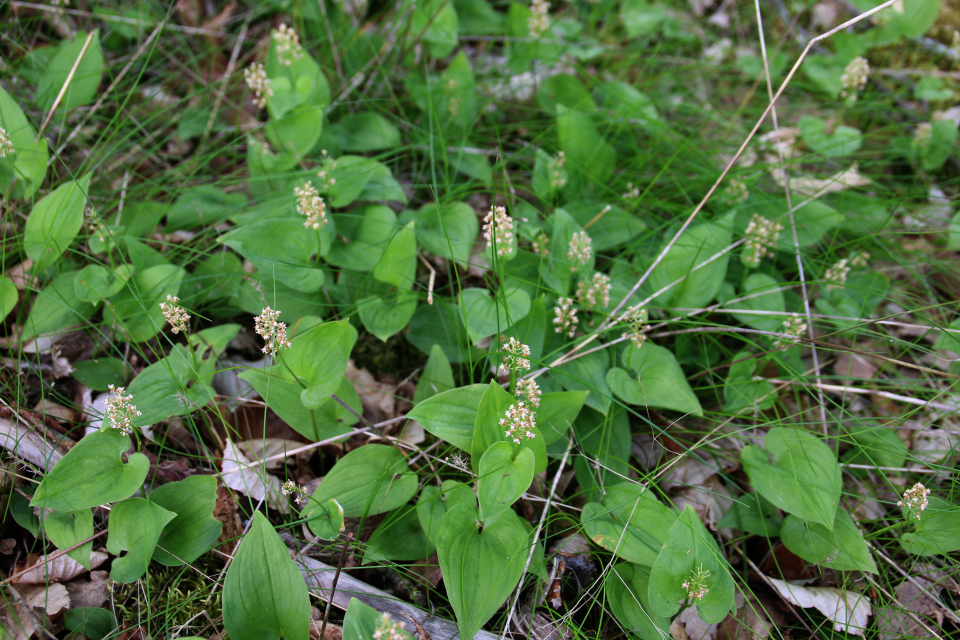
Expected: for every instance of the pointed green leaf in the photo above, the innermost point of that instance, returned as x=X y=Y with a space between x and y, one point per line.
x=54 y=222
x=264 y=595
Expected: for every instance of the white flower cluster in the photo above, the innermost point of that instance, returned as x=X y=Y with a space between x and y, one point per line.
x=498 y=230
x=95 y=225
x=636 y=319
x=540 y=244
x=631 y=193
x=837 y=274
x=557 y=176
x=517 y=354
x=388 y=629
x=530 y=390
x=696 y=585
x=288 y=45
x=565 y=317
x=6 y=146
x=175 y=314
x=259 y=83
x=291 y=487
x=915 y=499
x=580 y=250
x=274 y=333
x=519 y=421
x=326 y=169
x=794 y=326
x=854 y=77
x=761 y=237
x=310 y=204
x=737 y=190
x=120 y=411
x=596 y=294
x=922 y=135
x=539 y=21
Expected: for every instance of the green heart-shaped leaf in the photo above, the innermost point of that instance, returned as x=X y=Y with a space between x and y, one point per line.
x=92 y=474
x=658 y=381
x=194 y=531
x=451 y=415
x=689 y=549
x=843 y=548
x=804 y=478
x=844 y=140
x=135 y=526
x=626 y=589
x=370 y=480
x=630 y=522
x=485 y=316
x=480 y=568
x=504 y=476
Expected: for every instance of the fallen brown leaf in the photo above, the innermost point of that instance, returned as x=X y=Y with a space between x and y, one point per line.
x=689 y=626
x=89 y=593
x=53 y=599
x=225 y=510
x=895 y=622
x=38 y=570
x=252 y=481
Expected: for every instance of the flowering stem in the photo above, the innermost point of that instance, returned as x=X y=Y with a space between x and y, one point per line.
x=313 y=416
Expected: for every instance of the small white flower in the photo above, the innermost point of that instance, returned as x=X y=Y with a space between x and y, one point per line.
x=519 y=422
x=565 y=317
x=696 y=584
x=915 y=498
x=631 y=193
x=837 y=274
x=274 y=333
x=737 y=190
x=6 y=146
x=854 y=77
x=498 y=230
x=288 y=45
x=539 y=20
x=762 y=236
x=540 y=245
x=388 y=629
x=259 y=83
x=175 y=314
x=596 y=293
x=636 y=319
x=794 y=326
x=530 y=390
x=120 y=411
x=580 y=250
x=311 y=205
x=517 y=354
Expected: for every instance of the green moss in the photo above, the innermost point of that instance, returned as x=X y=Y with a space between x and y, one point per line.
x=169 y=597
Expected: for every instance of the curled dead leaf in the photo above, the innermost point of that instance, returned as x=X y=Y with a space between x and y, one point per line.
x=850 y=611
x=251 y=480
x=39 y=570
